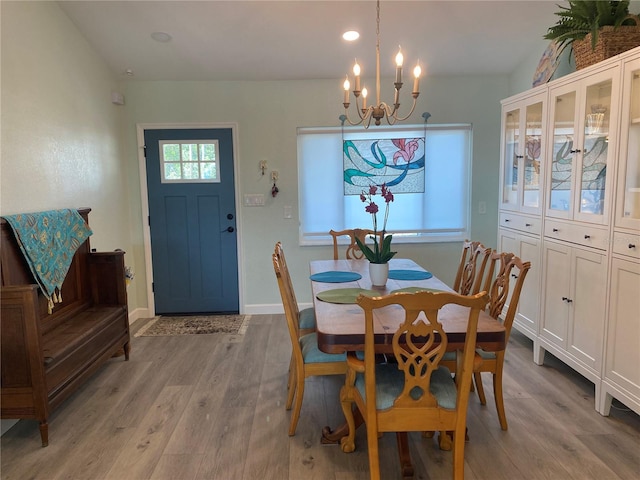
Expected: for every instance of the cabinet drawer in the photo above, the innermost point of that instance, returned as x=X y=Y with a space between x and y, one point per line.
x=519 y=222
x=626 y=244
x=588 y=236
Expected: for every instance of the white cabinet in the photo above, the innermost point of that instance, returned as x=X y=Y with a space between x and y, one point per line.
x=628 y=198
x=621 y=378
x=578 y=221
x=575 y=293
x=583 y=121
x=527 y=247
x=621 y=372
x=522 y=155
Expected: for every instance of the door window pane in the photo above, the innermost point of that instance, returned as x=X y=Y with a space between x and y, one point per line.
x=193 y=161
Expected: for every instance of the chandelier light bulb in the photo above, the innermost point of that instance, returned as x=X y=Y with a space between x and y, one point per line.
x=364 y=98
x=399 y=58
x=417 y=71
x=356 y=69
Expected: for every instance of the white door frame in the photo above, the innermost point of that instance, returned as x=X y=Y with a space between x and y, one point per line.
x=146 y=229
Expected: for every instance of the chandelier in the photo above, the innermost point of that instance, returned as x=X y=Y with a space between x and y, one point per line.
x=380 y=110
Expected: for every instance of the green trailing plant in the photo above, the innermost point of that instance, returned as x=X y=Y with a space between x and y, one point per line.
x=583 y=17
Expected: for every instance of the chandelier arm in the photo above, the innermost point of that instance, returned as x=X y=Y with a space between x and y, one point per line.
x=415 y=101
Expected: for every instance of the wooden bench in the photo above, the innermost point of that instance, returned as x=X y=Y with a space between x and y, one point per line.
x=46 y=357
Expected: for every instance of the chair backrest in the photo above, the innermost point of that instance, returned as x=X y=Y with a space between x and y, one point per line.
x=353 y=251
x=286 y=276
x=418 y=346
x=471 y=270
x=499 y=289
x=289 y=311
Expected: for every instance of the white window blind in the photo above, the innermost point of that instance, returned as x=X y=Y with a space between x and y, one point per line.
x=439 y=214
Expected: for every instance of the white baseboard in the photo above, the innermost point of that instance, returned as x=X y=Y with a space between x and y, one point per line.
x=139 y=313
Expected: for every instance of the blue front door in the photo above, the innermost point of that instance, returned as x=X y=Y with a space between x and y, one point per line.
x=192 y=218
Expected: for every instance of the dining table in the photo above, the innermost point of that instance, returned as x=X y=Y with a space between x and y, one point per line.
x=340 y=320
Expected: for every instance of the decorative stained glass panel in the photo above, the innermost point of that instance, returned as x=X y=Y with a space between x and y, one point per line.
x=398 y=162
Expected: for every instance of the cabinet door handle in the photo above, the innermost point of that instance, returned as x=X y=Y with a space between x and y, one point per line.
x=575 y=151
x=566 y=299
x=506 y=220
x=514 y=275
x=631 y=245
x=555 y=229
x=519 y=156
x=587 y=237
x=527 y=224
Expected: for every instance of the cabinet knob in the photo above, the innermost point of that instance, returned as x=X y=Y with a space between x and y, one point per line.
x=587 y=237
x=631 y=245
x=506 y=220
x=555 y=229
x=527 y=224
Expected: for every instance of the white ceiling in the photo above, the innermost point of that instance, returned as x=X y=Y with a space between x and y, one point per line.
x=293 y=40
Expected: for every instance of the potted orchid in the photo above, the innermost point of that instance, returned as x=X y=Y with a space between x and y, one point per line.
x=381 y=252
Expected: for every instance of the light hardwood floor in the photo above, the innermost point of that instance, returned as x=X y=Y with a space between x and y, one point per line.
x=212 y=407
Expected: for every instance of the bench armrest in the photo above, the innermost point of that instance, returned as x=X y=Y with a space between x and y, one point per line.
x=107 y=278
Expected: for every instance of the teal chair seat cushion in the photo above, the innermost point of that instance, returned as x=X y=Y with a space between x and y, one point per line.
x=307 y=319
x=450 y=356
x=312 y=354
x=390 y=382
x=486 y=355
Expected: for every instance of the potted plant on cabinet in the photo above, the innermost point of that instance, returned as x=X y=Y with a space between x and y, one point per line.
x=595 y=30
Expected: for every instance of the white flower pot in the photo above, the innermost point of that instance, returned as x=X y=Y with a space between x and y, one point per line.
x=378 y=272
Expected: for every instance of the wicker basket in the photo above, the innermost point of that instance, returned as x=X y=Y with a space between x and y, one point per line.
x=610 y=42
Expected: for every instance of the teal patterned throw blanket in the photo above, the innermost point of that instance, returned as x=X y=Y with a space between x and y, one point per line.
x=48 y=241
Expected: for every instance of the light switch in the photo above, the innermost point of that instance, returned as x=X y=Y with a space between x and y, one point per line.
x=253 y=200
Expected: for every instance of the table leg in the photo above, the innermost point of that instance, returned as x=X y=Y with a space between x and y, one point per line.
x=405 y=455
x=332 y=437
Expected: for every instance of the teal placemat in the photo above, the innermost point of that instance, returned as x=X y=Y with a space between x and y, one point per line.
x=409 y=274
x=335 y=277
x=415 y=289
x=344 y=295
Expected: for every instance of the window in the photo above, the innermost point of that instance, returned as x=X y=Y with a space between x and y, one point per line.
x=189 y=162
x=439 y=214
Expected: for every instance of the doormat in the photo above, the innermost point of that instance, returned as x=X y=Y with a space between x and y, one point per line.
x=167 y=326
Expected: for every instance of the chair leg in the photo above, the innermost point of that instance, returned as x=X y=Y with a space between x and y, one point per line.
x=372 y=446
x=291 y=384
x=497 y=393
x=295 y=415
x=458 y=455
x=477 y=378
x=348 y=442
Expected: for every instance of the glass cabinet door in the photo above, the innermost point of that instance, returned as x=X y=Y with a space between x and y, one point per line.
x=629 y=173
x=562 y=154
x=532 y=156
x=595 y=148
x=511 y=156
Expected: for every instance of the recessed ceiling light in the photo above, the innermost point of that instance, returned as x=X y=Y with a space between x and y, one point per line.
x=161 y=37
x=351 y=35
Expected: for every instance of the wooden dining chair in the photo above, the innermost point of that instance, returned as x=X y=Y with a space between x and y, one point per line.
x=413 y=392
x=306 y=316
x=353 y=252
x=509 y=267
x=471 y=270
x=307 y=359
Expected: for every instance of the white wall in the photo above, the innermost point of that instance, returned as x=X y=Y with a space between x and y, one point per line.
x=61 y=137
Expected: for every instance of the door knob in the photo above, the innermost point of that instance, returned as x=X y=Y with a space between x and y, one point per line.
x=230 y=229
